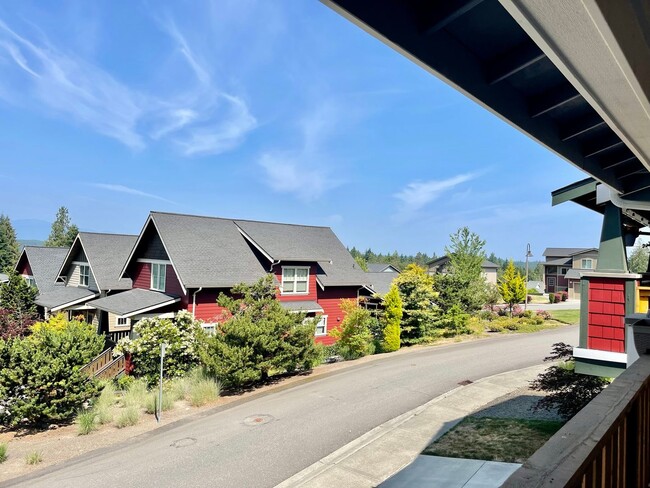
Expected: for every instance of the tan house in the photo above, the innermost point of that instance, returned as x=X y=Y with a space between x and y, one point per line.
x=563 y=266
x=439 y=266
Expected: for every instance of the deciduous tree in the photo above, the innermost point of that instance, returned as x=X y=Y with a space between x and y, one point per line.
x=512 y=286
x=638 y=260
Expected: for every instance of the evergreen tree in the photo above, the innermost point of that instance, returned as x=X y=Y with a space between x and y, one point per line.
x=420 y=311
x=392 y=319
x=638 y=260
x=463 y=285
x=63 y=232
x=9 y=249
x=17 y=307
x=361 y=263
x=512 y=286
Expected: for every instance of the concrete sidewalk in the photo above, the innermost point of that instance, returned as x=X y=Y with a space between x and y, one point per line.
x=377 y=455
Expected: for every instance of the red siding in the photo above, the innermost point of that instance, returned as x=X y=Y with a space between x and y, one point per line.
x=206 y=305
x=24 y=268
x=142 y=279
x=330 y=300
x=142 y=276
x=312 y=295
x=606 y=329
x=173 y=285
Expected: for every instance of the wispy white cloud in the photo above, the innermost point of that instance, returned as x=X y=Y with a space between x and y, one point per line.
x=418 y=194
x=129 y=191
x=199 y=119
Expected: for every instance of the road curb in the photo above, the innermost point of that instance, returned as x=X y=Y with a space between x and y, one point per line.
x=312 y=472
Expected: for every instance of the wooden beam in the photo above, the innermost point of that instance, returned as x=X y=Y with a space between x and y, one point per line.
x=582 y=126
x=602 y=147
x=449 y=11
x=617 y=162
x=516 y=60
x=552 y=99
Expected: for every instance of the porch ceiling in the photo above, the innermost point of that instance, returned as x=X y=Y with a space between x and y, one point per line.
x=572 y=75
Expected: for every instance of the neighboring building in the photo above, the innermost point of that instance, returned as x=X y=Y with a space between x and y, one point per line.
x=89 y=269
x=439 y=266
x=381 y=277
x=538 y=286
x=39 y=266
x=563 y=266
x=382 y=268
x=3 y=278
x=183 y=262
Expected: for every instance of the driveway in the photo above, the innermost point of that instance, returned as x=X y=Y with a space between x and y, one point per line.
x=268 y=439
x=568 y=305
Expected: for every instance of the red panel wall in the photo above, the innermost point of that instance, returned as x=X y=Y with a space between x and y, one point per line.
x=142 y=277
x=206 y=305
x=606 y=329
x=330 y=300
x=24 y=268
x=312 y=295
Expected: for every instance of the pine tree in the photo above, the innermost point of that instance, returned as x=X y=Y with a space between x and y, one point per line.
x=63 y=232
x=512 y=286
x=638 y=260
x=17 y=307
x=392 y=320
x=420 y=311
x=9 y=249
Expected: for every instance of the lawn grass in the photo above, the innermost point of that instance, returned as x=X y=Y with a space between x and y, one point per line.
x=494 y=439
x=566 y=316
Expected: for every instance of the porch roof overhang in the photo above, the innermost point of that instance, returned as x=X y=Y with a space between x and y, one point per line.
x=61 y=297
x=573 y=76
x=134 y=302
x=303 y=306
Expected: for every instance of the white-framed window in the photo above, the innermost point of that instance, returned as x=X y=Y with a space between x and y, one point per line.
x=158 y=276
x=564 y=271
x=122 y=322
x=30 y=280
x=587 y=263
x=551 y=282
x=321 y=326
x=209 y=328
x=295 y=280
x=84 y=274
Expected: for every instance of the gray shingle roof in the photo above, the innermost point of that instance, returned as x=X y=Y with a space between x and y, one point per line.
x=566 y=251
x=381 y=268
x=302 y=306
x=212 y=252
x=444 y=259
x=489 y=264
x=45 y=263
x=59 y=296
x=106 y=254
x=558 y=262
x=133 y=301
x=380 y=282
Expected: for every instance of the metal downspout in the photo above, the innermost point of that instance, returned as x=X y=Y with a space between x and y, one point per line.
x=194 y=302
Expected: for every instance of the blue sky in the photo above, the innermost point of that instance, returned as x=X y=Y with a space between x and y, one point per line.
x=280 y=111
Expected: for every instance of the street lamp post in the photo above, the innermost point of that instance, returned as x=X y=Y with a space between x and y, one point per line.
x=528 y=255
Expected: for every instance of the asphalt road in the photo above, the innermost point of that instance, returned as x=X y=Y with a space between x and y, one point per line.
x=301 y=424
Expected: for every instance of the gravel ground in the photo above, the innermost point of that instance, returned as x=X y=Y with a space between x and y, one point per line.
x=517 y=405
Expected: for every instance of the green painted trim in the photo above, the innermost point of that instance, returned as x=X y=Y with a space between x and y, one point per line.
x=573 y=191
x=611 y=254
x=594 y=367
x=630 y=297
x=584 y=312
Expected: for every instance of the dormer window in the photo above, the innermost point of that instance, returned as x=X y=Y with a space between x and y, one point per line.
x=158 y=276
x=84 y=275
x=295 y=280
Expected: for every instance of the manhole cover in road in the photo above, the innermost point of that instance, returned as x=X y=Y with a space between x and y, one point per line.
x=260 y=419
x=465 y=382
x=184 y=442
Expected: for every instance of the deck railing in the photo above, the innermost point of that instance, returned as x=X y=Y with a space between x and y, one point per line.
x=112 y=369
x=98 y=363
x=607 y=444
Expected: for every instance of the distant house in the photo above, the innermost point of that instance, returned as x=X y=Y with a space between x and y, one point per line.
x=89 y=269
x=563 y=266
x=439 y=266
x=538 y=286
x=183 y=262
x=381 y=277
x=39 y=266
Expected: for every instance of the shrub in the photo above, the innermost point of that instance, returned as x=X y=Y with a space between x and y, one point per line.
x=151 y=401
x=86 y=421
x=203 y=390
x=543 y=314
x=354 y=337
x=455 y=321
x=564 y=295
x=533 y=291
x=567 y=391
x=391 y=320
x=123 y=382
x=495 y=326
x=487 y=315
x=260 y=337
x=183 y=336
x=3 y=452
x=128 y=416
x=40 y=377
x=516 y=311
x=551 y=297
x=512 y=285
x=34 y=457
x=492 y=294
x=136 y=395
x=526 y=314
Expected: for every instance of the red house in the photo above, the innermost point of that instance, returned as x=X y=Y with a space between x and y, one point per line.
x=183 y=262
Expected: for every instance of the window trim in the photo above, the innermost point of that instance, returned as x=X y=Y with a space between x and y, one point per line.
x=552 y=281
x=295 y=281
x=83 y=275
x=321 y=318
x=584 y=260
x=127 y=322
x=564 y=270
x=164 y=276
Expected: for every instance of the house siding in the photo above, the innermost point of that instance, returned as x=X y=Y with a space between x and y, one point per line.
x=142 y=276
x=73 y=278
x=330 y=300
x=311 y=286
x=24 y=268
x=207 y=308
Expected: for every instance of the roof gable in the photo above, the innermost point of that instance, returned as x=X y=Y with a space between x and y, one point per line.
x=44 y=263
x=561 y=252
